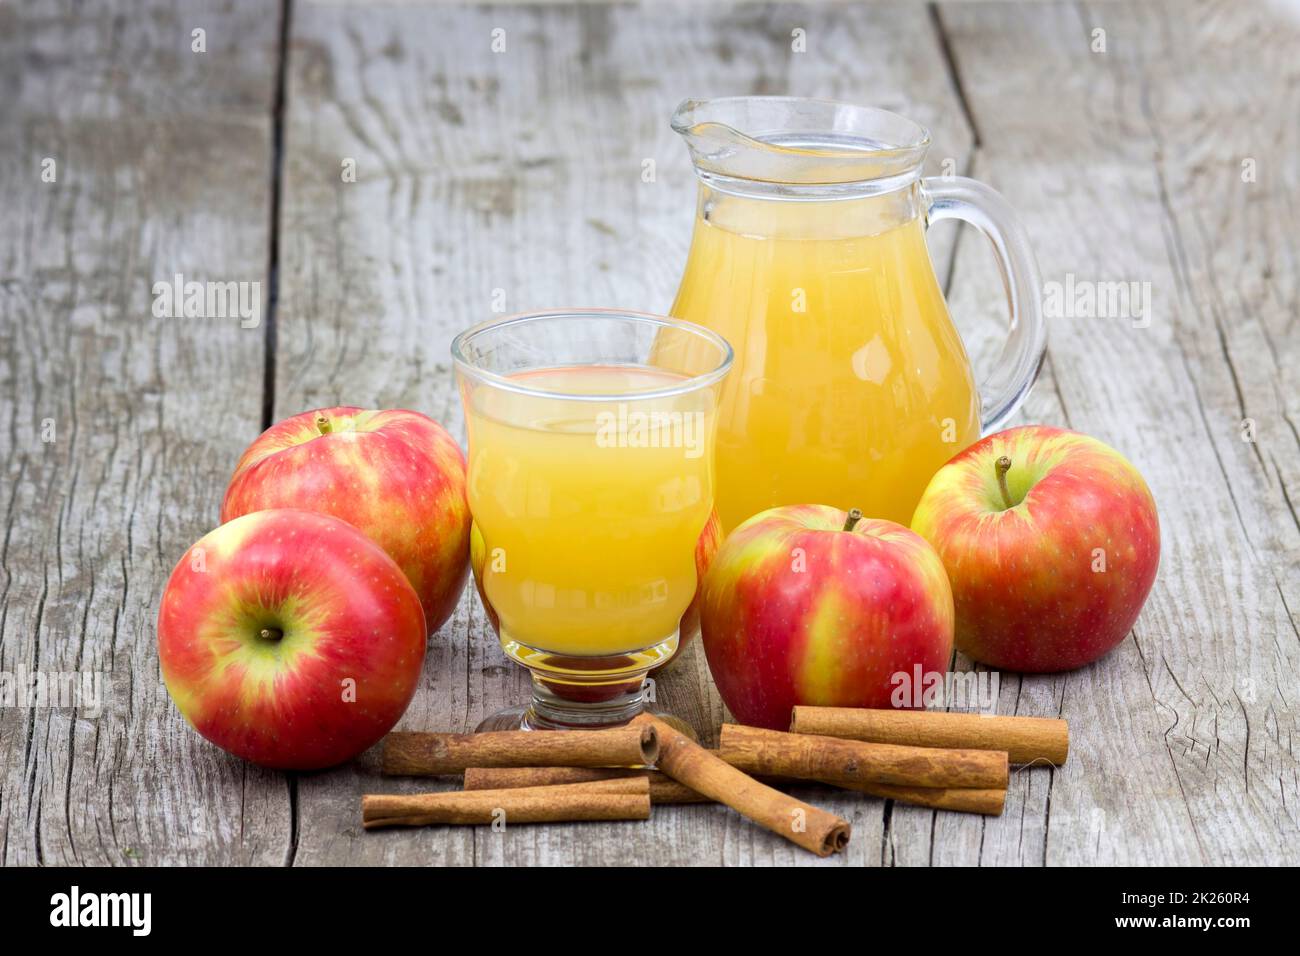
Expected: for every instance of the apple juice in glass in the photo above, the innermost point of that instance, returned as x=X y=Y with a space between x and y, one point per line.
x=590 y=479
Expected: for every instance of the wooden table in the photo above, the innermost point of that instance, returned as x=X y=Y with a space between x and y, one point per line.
x=1162 y=151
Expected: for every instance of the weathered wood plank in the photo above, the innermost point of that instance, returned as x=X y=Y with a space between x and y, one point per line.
x=521 y=171
x=1126 y=165
x=162 y=157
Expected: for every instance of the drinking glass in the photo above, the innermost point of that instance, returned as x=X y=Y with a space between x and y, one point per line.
x=591 y=477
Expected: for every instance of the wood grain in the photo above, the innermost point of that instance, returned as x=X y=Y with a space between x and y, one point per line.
x=504 y=181
x=521 y=172
x=1120 y=165
x=161 y=162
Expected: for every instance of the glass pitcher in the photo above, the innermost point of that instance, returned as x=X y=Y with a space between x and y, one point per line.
x=850 y=385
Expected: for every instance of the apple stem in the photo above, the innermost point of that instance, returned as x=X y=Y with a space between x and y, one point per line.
x=272 y=633
x=323 y=425
x=1002 y=466
x=854 y=517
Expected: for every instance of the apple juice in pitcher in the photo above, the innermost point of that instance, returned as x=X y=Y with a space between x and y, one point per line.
x=850 y=385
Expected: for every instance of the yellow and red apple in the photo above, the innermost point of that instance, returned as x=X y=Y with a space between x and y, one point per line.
x=396 y=475
x=809 y=605
x=706 y=549
x=1051 y=542
x=290 y=639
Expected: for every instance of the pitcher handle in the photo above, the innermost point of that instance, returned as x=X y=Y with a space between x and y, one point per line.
x=984 y=208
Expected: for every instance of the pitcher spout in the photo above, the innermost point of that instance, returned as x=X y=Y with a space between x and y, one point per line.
x=791 y=147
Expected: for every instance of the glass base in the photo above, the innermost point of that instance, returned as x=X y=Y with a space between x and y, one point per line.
x=517 y=718
x=581 y=693
x=585 y=693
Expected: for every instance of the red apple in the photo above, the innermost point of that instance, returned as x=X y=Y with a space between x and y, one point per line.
x=1051 y=554
x=395 y=475
x=706 y=549
x=807 y=605
x=290 y=639
x=477 y=558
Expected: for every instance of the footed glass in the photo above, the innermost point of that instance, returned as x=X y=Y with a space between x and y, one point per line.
x=591 y=476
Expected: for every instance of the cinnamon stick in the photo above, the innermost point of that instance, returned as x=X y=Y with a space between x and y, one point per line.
x=666 y=790
x=663 y=789
x=1025 y=739
x=958 y=799
x=414 y=754
x=837 y=761
x=622 y=799
x=687 y=762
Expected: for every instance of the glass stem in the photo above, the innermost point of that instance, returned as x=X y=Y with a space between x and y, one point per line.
x=576 y=707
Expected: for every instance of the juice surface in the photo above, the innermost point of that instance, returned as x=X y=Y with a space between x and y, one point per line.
x=590 y=511
x=850 y=385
